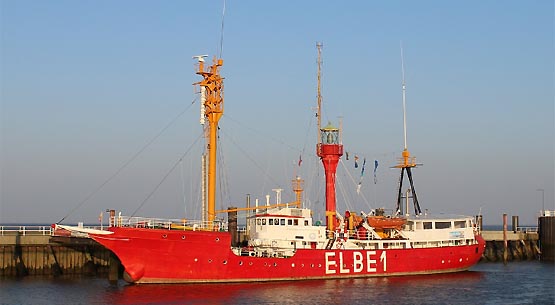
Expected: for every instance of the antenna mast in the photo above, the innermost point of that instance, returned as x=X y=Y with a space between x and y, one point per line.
x=330 y=150
x=404 y=97
x=406 y=162
x=319 y=107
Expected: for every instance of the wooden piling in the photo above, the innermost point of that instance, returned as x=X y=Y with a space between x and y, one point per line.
x=505 y=248
x=113 y=273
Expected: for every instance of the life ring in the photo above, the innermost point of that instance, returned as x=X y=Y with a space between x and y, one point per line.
x=341 y=235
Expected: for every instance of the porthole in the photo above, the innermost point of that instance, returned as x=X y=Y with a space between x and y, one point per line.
x=183 y=237
x=241 y=263
x=224 y=262
x=164 y=236
x=217 y=239
x=210 y=260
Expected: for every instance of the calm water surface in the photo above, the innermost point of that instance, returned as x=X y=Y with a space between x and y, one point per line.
x=486 y=283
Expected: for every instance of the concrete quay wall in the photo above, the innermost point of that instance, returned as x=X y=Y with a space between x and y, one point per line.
x=46 y=255
x=520 y=246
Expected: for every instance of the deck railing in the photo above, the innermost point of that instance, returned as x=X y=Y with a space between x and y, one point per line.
x=159 y=223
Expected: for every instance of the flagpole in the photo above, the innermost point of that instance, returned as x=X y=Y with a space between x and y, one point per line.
x=375 y=204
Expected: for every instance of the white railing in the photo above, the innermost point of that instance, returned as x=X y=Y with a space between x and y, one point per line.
x=25 y=230
x=159 y=223
x=528 y=229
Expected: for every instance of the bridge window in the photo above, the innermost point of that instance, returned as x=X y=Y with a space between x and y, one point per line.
x=263 y=221
x=427 y=225
x=443 y=224
x=296 y=222
x=271 y=221
x=282 y=222
x=290 y=222
x=460 y=224
x=306 y=223
x=276 y=222
x=258 y=221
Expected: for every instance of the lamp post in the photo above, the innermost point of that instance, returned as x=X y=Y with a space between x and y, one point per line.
x=543 y=201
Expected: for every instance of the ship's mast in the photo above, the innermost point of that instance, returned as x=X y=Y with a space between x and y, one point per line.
x=203 y=163
x=319 y=96
x=330 y=150
x=406 y=162
x=213 y=110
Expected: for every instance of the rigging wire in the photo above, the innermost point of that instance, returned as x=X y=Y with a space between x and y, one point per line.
x=260 y=134
x=101 y=186
x=183 y=193
x=167 y=174
x=224 y=181
x=355 y=184
x=251 y=159
x=314 y=182
x=308 y=131
x=343 y=191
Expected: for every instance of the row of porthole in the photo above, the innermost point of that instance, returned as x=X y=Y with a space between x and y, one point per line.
x=449 y=261
x=275 y=264
x=183 y=237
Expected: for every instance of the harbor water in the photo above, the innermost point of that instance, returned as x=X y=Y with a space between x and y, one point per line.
x=530 y=282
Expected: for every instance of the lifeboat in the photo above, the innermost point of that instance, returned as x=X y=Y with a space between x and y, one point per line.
x=383 y=222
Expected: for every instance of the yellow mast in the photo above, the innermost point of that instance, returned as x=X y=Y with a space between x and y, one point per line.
x=213 y=111
x=297 y=183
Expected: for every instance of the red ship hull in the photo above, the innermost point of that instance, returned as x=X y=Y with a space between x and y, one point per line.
x=170 y=256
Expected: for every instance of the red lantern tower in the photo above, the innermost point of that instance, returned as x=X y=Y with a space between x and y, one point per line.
x=330 y=150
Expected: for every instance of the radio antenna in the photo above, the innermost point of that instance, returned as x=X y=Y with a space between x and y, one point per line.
x=222 y=33
x=404 y=98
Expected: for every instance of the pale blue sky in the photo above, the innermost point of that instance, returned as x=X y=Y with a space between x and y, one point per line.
x=86 y=84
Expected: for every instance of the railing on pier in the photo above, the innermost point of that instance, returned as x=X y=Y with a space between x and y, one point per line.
x=26 y=230
x=528 y=229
